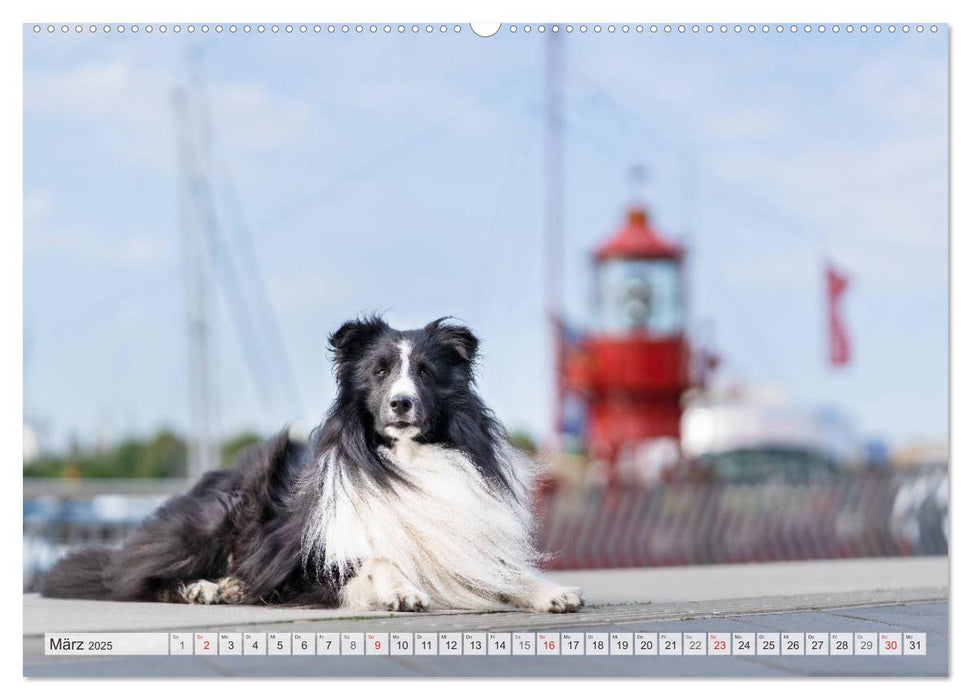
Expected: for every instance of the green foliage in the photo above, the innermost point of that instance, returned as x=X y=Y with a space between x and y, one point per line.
x=522 y=440
x=235 y=446
x=162 y=456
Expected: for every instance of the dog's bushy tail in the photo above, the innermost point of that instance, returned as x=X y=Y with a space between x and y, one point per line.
x=79 y=574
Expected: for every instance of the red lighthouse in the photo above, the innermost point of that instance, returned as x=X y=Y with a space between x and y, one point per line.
x=632 y=367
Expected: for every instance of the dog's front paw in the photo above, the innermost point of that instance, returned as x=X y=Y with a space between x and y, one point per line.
x=231 y=590
x=407 y=600
x=558 y=600
x=201 y=592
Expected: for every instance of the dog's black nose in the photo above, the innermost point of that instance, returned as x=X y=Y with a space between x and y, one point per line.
x=401 y=404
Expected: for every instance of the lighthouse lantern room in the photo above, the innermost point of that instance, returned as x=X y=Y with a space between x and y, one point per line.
x=634 y=367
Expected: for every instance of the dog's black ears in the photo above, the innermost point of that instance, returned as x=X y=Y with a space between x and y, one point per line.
x=355 y=334
x=459 y=338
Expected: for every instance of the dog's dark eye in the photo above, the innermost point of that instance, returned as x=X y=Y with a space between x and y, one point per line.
x=422 y=371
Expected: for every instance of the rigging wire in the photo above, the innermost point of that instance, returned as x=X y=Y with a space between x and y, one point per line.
x=266 y=315
x=394 y=154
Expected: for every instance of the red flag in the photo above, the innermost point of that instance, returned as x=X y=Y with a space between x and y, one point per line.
x=839 y=342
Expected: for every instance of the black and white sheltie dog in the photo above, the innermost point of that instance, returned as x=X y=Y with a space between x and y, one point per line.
x=407 y=497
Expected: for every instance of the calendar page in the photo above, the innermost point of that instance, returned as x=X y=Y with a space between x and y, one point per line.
x=516 y=349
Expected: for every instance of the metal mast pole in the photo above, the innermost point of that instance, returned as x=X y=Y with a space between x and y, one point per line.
x=196 y=207
x=553 y=211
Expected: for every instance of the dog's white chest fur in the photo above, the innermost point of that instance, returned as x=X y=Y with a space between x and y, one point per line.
x=464 y=544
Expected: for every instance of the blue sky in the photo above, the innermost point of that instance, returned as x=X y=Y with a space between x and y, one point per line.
x=403 y=173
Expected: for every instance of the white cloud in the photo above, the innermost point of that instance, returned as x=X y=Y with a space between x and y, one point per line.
x=131 y=108
x=746 y=122
x=140 y=250
x=896 y=86
x=47 y=234
x=112 y=92
x=38 y=205
x=249 y=117
x=452 y=109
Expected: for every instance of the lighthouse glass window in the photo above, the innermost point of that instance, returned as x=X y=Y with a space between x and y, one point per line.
x=639 y=296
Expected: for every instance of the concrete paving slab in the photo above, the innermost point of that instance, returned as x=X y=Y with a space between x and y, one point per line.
x=861 y=595
x=778 y=586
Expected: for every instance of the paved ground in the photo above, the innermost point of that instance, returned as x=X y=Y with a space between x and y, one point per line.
x=876 y=595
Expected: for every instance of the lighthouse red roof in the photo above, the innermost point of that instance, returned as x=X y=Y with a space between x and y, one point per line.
x=637 y=239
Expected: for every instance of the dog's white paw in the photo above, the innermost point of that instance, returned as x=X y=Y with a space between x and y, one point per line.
x=556 y=599
x=201 y=592
x=407 y=599
x=231 y=590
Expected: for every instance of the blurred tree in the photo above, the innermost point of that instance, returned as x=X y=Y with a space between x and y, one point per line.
x=233 y=447
x=48 y=467
x=522 y=440
x=162 y=456
x=124 y=459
